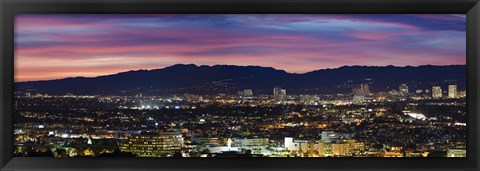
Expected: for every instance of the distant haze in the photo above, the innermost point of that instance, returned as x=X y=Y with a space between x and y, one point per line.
x=59 y=46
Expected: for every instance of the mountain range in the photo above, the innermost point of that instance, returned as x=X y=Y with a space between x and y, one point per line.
x=190 y=78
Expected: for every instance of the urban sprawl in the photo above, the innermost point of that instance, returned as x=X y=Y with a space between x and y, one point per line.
x=398 y=123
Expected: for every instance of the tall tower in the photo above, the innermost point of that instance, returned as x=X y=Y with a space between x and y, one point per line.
x=403 y=89
x=364 y=90
x=452 y=91
x=248 y=92
x=278 y=92
x=436 y=92
x=283 y=93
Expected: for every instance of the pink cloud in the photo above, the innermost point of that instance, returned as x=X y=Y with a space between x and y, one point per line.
x=64 y=47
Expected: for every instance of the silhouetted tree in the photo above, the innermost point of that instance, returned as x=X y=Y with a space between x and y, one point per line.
x=177 y=154
x=47 y=153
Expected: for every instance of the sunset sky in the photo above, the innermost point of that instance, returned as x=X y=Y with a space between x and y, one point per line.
x=58 y=46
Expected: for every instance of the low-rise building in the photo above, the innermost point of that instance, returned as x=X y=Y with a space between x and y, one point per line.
x=456 y=153
x=153 y=144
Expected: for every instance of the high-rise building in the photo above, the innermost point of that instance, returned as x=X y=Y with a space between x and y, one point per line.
x=437 y=92
x=403 y=89
x=363 y=90
x=278 y=92
x=153 y=144
x=452 y=91
x=248 y=92
x=360 y=93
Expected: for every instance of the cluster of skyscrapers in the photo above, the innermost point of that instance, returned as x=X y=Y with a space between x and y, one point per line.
x=279 y=92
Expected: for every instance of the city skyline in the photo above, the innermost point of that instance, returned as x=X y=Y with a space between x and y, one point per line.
x=60 y=46
x=240 y=86
x=399 y=123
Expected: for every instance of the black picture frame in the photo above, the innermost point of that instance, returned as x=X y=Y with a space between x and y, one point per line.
x=9 y=8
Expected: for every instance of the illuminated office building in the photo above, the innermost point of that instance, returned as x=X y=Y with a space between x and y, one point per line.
x=354 y=145
x=436 y=92
x=278 y=92
x=324 y=149
x=284 y=93
x=210 y=141
x=153 y=144
x=346 y=147
x=296 y=145
x=329 y=136
x=341 y=149
x=245 y=142
x=363 y=90
x=248 y=92
x=456 y=153
x=452 y=91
